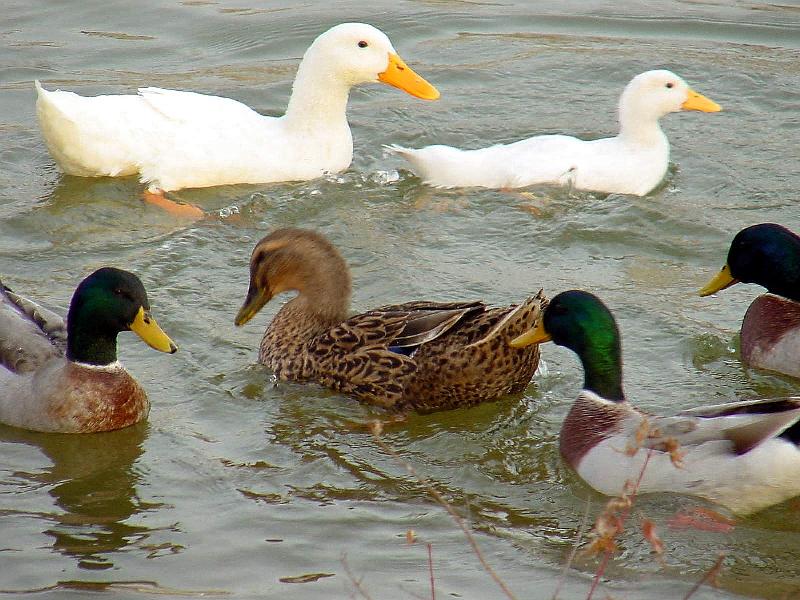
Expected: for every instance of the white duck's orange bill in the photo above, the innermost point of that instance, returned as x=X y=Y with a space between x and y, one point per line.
x=699 y=102
x=721 y=280
x=401 y=76
x=146 y=328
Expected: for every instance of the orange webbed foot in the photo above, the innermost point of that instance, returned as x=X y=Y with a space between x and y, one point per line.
x=702 y=519
x=178 y=209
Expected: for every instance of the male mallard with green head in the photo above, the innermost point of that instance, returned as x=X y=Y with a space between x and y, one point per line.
x=421 y=355
x=769 y=255
x=65 y=377
x=742 y=455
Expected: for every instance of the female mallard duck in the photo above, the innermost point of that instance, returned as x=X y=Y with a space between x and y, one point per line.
x=769 y=255
x=177 y=140
x=422 y=355
x=742 y=455
x=66 y=378
x=633 y=162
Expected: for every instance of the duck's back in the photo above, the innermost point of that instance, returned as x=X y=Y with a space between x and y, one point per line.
x=29 y=334
x=609 y=165
x=472 y=362
x=172 y=138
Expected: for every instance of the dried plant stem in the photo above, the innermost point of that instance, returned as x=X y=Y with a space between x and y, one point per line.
x=430 y=570
x=710 y=575
x=356 y=582
x=376 y=431
x=576 y=544
x=623 y=515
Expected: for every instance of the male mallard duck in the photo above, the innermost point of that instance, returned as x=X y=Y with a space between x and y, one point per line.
x=177 y=140
x=66 y=378
x=769 y=255
x=633 y=162
x=422 y=355
x=742 y=455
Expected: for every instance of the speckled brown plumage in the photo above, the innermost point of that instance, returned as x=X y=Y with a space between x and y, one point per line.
x=422 y=355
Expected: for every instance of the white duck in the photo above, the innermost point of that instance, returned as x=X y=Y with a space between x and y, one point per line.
x=633 y=162
x=175 y=139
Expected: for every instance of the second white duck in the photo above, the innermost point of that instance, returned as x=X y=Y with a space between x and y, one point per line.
x=633 y=162
x=175 y=139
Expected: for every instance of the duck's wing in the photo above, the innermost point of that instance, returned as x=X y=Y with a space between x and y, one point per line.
x=425 y=321
x=515 y=320
x=370 y=355
x=745 y=424
x=354 y=357
x=29 y=333
x=190 y=107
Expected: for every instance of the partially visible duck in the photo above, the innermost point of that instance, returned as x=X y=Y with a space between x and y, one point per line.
x=742 y=455
x=768 y=255
x=422 y=355
x=176 y=139
x=65 y=377
x=633 y=162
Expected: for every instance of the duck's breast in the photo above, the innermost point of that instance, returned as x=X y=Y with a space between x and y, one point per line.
x=612 y=166
x=72 y=398
x=770 y=335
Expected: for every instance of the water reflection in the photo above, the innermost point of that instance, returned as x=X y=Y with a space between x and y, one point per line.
x=93 y=480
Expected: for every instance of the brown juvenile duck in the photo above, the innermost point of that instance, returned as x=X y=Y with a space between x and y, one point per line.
x=65 y=377
x=421 y=355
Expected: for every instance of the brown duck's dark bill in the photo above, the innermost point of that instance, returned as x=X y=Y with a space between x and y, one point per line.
x=255 y=301
x=145 y=326
x=719 y=282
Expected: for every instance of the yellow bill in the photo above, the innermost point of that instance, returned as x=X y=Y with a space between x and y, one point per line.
x=537 y=335
x=721 y=280
x=401 y=76
x=255 y=301
x=146 y=328
x=699 y=102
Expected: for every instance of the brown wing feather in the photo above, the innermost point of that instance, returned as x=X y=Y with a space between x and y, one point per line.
x=425 y=321
x=353 y=357
x=29 y=334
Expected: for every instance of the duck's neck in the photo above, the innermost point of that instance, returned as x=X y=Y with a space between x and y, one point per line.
x=640 y=127
x=602 y=365
x=323 y=300
x=782 y=277
x=89 y=343
x=318 y=96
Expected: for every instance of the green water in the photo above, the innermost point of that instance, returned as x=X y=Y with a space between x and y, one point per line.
x=235 y=482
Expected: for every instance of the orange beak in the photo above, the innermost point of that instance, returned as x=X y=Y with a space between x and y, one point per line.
x=696 y=101
x=401 y=76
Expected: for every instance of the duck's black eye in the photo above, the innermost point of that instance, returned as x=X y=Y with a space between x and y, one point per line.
x=362 y=44
x=670 y=85
x=122 y=294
